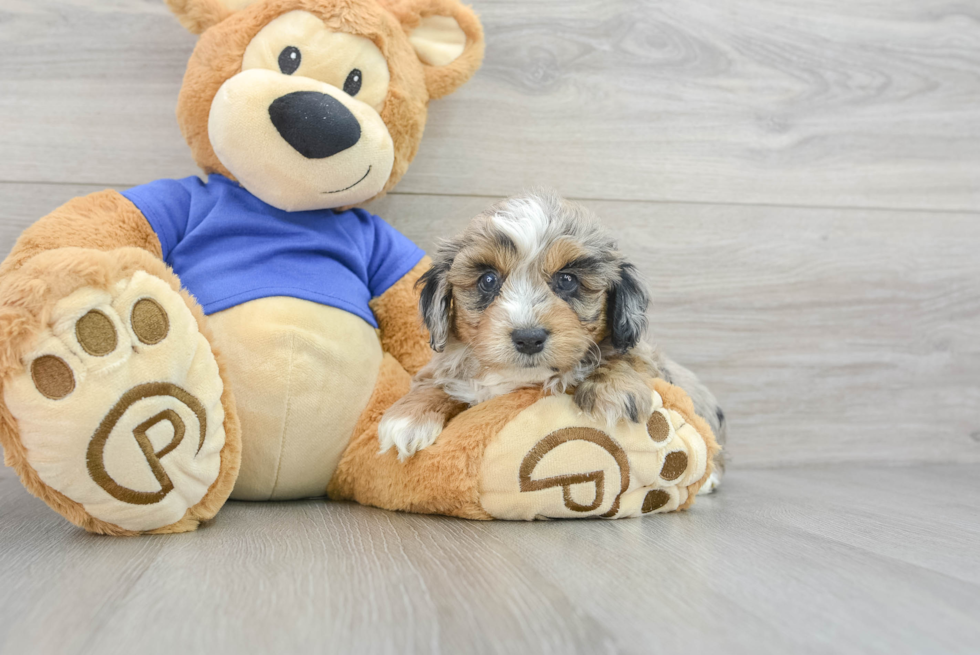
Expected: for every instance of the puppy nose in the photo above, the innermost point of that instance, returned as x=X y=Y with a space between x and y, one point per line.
x=529 y=340
x=315 y=124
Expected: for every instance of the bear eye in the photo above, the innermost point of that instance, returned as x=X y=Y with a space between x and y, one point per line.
x=565 y=284
x=487 y=284
x=289 y=60
x=353 y=82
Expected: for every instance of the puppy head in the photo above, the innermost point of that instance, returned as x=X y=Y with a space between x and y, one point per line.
x=533 y=283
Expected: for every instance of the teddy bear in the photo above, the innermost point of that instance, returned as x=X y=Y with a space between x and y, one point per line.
x=188 y=341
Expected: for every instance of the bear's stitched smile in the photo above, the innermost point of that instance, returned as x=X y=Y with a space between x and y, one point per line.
x=363 y=177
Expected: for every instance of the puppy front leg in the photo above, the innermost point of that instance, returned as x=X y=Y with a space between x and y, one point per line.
x=415 y=421
x=616 y=390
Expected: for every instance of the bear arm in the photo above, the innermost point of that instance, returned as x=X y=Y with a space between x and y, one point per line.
x=99 y=221
x=397 y=312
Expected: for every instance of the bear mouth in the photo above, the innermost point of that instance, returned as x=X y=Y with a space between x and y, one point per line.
x=363 y=177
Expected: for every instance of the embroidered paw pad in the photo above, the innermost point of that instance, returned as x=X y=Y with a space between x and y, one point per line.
x=119 y=405
x=552 y=461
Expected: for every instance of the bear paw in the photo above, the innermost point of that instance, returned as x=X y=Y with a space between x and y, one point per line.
x=119 y=406
x=554 y=461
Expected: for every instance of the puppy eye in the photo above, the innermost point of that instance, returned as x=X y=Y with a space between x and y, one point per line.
x=289 y=60
x=565 y=283
x=488 y=282
x=353 y=82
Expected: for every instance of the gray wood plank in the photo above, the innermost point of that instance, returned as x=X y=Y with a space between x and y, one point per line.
x=840 y=102
x=88 y=91
x=754 y=569
x=828 y=335
x=935 y=506
x=762 y=585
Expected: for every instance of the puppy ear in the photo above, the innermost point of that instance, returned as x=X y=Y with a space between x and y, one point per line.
x=447 y=38
x=198 y=15
x=435 y=302
x=626 y=309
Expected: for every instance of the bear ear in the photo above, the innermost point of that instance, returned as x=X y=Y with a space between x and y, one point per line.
x=199 y=15
x=447 y=38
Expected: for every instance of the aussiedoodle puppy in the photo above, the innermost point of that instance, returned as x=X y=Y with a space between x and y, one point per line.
x=535 y=293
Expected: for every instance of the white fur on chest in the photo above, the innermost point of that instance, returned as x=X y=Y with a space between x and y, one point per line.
x=491 y=384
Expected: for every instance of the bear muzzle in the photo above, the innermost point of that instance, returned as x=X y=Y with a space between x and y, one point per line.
x=315 y=124
x=299 y=144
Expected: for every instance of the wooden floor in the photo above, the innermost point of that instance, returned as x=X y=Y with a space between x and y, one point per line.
x=799 y=182
x=834 y=559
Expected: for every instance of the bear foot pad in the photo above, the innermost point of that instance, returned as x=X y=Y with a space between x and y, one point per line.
x=583 y=468
x=119 y=406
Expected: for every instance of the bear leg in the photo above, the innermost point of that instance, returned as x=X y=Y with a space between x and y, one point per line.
x=527 y=455
x=114 y=411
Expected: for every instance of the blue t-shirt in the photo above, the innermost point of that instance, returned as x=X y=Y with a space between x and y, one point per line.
x=229 y=247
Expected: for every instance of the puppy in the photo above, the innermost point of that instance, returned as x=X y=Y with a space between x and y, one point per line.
x=534 y=293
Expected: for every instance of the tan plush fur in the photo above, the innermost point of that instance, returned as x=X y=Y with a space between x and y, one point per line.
x=402 y=334
x=219 y=52
x=27 y=297
x=442 y=479
x=198 y=15
x=675 y=398
x=443 y=80
x=101 y=221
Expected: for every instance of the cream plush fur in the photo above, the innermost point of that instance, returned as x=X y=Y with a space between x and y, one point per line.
x=300 y=400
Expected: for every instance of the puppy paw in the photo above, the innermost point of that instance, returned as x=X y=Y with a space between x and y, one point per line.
x=613 y=400
x=408 y=434
x=711 y=484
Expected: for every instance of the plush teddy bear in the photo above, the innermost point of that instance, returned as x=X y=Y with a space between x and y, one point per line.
x=187 y=341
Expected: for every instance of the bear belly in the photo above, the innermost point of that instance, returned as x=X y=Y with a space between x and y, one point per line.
x=301 y=374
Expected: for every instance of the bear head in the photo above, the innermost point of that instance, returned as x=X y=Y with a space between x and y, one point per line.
x=317 y=104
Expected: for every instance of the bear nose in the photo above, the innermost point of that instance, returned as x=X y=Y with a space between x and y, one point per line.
x=315 y=124
x=529 y=340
